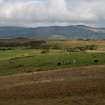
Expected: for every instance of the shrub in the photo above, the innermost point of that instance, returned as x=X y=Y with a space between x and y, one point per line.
x=44 y=51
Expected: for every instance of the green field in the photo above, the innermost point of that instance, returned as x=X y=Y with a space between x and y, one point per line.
x=29 y=60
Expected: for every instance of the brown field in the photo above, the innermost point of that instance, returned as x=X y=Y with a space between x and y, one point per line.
x=99 y=43
x=85 y=42
x=77 y=86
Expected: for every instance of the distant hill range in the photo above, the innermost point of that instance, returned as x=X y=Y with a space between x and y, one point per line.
x=54 y=32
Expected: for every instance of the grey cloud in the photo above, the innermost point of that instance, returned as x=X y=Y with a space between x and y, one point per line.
x=51 y=12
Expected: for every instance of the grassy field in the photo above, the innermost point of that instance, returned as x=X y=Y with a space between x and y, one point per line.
x=29 y=60
x=25 y=59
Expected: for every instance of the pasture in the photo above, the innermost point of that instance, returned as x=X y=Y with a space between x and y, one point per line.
x=32 y=60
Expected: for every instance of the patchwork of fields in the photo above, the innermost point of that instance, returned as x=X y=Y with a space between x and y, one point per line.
x=53 y=76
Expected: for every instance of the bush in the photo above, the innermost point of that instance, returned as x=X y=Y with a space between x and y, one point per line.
x=44 y=51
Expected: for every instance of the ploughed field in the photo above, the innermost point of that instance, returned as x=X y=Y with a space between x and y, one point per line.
x=73 y=86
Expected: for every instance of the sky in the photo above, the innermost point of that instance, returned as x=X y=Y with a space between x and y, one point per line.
x=35 y=13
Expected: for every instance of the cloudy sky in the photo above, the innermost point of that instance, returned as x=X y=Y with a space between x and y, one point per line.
x=33 y=13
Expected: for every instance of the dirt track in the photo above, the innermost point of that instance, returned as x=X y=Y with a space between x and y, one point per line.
x=78 y=86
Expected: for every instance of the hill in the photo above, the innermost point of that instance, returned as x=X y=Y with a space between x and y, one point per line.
x=62 y=32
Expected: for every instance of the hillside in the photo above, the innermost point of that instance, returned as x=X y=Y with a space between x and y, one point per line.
x=62 y=32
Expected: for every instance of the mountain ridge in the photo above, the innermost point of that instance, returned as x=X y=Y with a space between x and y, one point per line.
x=67 y=32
